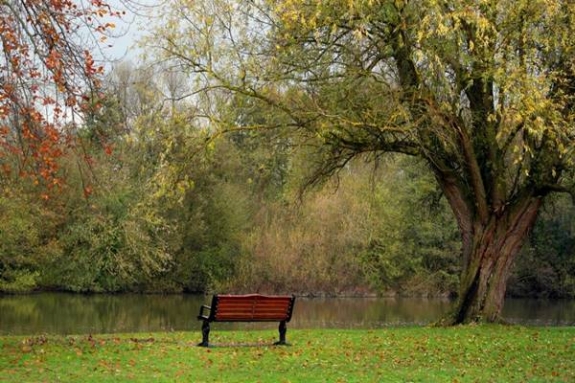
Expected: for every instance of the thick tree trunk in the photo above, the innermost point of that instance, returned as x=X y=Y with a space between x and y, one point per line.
x=488 y=254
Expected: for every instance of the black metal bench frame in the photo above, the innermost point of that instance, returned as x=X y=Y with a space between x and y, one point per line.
x=247 y=308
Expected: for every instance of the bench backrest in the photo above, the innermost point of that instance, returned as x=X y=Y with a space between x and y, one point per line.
x=252 y=308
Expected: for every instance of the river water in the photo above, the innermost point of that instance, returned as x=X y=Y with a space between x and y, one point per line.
x=60 y=313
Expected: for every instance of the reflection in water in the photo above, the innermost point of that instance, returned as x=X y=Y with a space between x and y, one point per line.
x=368 y=312
x=540 y=312
x=58 y=313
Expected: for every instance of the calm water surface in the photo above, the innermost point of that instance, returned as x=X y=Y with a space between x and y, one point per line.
x=60 y=313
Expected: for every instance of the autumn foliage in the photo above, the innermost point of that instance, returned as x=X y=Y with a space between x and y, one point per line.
x=47 y=71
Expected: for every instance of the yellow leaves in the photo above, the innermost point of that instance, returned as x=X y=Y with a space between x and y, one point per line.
x=298 y=14
x=289 y=12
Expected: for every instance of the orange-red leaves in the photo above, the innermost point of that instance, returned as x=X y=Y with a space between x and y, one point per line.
x=44 y=77
x=87 y=191
x=54 y=60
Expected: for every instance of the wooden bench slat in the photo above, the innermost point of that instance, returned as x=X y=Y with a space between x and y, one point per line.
x=246 y=318
x=250 y=315
x=219 y=314
x=253 y=300
x=253 y=307
x=256 y=305
x=252 y=304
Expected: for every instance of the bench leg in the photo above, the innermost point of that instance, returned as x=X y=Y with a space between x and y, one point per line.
x=282 y=330
x=205 y=334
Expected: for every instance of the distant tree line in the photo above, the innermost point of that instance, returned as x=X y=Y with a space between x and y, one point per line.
x=153 y=203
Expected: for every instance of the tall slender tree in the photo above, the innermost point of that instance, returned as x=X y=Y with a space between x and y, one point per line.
x=482 y=90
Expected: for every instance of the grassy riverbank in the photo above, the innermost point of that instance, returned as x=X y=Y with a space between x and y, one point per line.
x=414 y=354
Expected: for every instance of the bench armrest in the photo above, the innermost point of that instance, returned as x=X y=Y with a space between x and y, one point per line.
x=201 y=315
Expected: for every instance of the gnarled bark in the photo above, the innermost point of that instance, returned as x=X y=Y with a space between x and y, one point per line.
x=491 y=251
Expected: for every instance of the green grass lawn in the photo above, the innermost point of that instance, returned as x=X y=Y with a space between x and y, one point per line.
x=411 y=354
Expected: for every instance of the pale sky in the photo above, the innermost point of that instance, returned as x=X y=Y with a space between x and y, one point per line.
x=128 y=30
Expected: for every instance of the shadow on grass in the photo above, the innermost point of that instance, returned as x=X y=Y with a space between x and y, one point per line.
x=243 y=345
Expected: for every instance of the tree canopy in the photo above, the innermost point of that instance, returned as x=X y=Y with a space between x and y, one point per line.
x=482 y=90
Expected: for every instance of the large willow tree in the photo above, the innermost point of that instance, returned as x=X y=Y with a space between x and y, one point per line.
x=482 y=90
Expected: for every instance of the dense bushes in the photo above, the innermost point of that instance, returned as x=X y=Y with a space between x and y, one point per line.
x=546 y=267
x=25 y=240
x=164 y=212
x=377 y=230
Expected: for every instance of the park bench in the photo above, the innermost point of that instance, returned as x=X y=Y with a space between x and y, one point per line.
x=247 y=308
